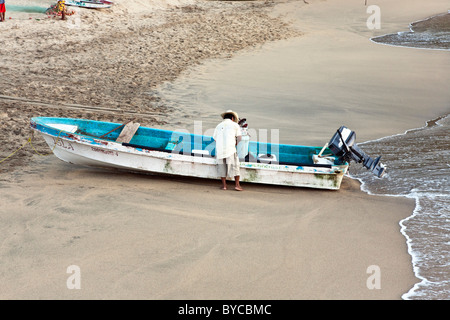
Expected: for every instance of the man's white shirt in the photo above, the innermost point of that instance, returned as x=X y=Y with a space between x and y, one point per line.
x=225 y=136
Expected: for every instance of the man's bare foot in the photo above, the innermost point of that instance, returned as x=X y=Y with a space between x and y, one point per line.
x=223 y=188
x=238 y=188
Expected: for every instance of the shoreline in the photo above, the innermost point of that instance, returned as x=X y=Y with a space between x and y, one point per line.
x=419 y=263
x=288 y=244
x=412 y=31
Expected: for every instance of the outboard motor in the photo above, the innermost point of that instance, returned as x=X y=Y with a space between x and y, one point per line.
x=343 y=146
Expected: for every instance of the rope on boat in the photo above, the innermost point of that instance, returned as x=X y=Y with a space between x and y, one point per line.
x=29 y=141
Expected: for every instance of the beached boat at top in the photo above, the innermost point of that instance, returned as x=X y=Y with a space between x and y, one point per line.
x=94 y=4
x=131 y=147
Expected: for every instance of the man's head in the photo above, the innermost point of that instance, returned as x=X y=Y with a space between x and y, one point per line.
x=230 y=114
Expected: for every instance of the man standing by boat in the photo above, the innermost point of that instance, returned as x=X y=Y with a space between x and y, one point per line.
x=2 y=10
x=227 y=135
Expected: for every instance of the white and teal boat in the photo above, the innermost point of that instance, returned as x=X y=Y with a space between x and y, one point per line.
x=134 y=148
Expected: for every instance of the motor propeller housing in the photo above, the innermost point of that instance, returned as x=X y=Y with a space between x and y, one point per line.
x=343 y=146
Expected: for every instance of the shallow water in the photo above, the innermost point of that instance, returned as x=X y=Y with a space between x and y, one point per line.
x=431 y=33
x=27 y=9
x=20 y=9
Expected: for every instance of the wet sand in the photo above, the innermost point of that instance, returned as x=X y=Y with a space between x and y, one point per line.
x=152 y=237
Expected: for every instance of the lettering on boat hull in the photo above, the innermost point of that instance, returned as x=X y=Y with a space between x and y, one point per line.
x=109 y=152
x=63 y=144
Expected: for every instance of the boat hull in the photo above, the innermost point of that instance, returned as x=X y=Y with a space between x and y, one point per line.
x=88 y=151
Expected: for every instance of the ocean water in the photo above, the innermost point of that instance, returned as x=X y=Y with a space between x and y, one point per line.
x=431 y=33
x=419 y=168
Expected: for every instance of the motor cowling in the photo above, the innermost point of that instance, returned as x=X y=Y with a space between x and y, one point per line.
x=343 y=146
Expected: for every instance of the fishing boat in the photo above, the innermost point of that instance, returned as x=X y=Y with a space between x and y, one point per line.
x=94 y=4
x=132 y=147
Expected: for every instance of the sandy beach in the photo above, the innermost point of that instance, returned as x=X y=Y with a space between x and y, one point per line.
x=150 y=237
